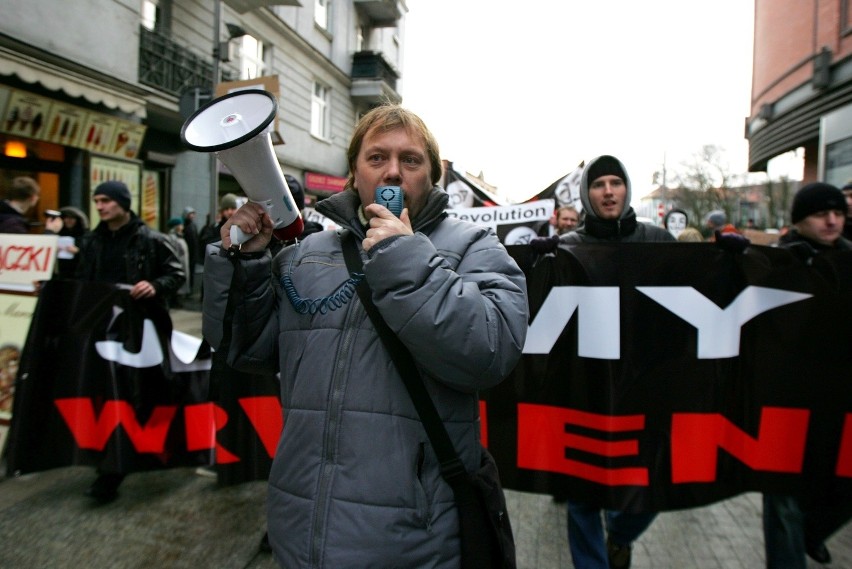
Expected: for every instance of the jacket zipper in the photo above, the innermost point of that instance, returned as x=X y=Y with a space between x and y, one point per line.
x=330 y=439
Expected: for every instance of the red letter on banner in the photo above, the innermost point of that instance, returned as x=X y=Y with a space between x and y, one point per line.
x=542 y=441
x=202 y=423
x=844 y=458
x=264 y=413
x=696 y=438
x=93 y=433
x=483 y=423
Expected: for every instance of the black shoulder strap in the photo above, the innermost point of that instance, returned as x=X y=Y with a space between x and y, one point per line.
x=452 y=468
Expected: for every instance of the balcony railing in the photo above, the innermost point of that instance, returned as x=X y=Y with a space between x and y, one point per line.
x=170 y=67
x=371 y=65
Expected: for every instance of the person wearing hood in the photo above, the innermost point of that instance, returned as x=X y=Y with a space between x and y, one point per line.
x=605 y=194
x=123 y=250
x=75 y=224
x=355 y=481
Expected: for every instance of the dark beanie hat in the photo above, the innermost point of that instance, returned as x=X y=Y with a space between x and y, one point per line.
x=816 y=197
x=174 y=222
x=116 y=191
x=296 y=190
x=605 y=166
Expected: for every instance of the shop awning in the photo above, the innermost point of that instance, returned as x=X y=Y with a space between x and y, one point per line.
x=31 y=70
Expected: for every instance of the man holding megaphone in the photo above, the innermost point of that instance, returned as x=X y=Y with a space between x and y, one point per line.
x=355 y=482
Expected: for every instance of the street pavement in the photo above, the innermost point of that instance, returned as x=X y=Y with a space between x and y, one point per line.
x=176 y=519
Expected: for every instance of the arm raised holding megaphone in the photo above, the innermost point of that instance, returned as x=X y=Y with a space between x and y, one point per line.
x=236 y=127
x=253 y=223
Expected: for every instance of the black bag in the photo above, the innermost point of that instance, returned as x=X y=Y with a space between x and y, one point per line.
x=486 y=533
x=484 y=529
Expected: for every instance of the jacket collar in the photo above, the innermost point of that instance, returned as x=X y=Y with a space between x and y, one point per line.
x=343 y=209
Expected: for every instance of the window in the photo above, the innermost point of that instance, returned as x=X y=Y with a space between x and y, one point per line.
x=321 y=13
x=252 y=62
x=319 y=111
x=151 y=14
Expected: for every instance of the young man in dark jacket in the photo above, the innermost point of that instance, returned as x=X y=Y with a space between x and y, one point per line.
x=605 y=195
x=792 y=529
x=123 y=250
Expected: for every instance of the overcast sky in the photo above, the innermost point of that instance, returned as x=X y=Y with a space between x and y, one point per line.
x=525 y=91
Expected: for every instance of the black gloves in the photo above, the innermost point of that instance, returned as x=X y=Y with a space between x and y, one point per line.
x=733 y=242
x=542 y=245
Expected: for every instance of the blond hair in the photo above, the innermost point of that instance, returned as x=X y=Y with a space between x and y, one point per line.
x=389 y=117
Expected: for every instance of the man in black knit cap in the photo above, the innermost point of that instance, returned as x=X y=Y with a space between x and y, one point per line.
x=818 y=216
x=792 y=529
x=123 y=250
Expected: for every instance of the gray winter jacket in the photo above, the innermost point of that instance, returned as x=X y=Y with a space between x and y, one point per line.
x=355 y=482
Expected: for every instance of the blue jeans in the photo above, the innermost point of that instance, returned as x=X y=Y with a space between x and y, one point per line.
x=586 y=533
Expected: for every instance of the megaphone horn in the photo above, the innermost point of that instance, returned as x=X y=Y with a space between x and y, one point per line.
x=237 y=128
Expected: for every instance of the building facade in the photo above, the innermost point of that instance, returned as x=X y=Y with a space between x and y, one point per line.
x=802 y=86
x=99 y=89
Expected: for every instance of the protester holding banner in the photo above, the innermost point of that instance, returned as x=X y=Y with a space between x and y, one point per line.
x=124 y=251
x=792 y=529
x=355 y=482
x=605 y=195
x=21 y=196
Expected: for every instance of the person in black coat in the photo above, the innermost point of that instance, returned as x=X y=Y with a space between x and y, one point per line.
x=791 y=528
x=190 y=235
x=21 y=196
x=123 y=250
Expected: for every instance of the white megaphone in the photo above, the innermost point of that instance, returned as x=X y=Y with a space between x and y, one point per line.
x=236 y=127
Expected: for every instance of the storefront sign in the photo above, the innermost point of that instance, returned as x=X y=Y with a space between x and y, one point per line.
x=150 y=209
x=26 y=115
x=41 y=118
x=64 y=124
x=324 y=182
x=25 y=259
x=98 y=131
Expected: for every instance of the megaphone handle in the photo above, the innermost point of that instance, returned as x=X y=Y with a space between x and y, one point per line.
x=238 y=237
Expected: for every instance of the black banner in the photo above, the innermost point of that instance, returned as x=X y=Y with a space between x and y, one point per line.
x=678 y=375
x=99 y=384
x=655 y=377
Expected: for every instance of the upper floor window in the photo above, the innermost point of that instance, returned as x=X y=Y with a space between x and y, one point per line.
x=252 y=57
x=320 y=103
x=151 y=17
x=321 y=13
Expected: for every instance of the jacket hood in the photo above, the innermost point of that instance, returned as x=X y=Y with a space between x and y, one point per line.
x=598 y=167
x=82 y=218
x=343 y=208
